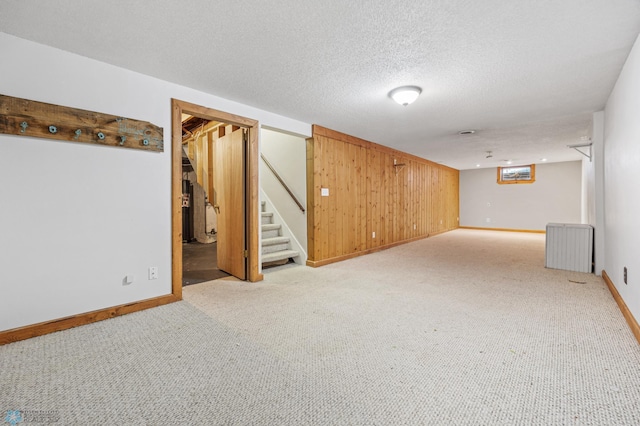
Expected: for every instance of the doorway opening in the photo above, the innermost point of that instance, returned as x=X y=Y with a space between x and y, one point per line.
x=215 y=174
x=199 y=196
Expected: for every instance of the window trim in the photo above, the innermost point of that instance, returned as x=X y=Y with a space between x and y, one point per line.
x=511 y=182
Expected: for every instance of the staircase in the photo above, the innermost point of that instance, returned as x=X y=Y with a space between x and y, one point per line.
x=276 y=249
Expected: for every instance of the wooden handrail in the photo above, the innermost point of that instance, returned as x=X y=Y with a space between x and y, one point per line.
x=281 y=181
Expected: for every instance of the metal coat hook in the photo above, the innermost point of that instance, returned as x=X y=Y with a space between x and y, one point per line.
x=53 y=129
x=122 y=139
x=78 y=133
x=24 y=126
x=101 y=136
x=145 y=142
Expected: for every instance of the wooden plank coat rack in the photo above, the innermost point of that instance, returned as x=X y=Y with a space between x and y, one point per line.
x=24 y=117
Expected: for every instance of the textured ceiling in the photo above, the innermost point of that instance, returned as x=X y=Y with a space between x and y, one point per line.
x=526 y=75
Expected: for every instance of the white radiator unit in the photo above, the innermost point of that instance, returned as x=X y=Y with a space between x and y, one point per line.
x=569 y=247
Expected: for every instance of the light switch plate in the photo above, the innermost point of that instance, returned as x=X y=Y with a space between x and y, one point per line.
x=324 y=192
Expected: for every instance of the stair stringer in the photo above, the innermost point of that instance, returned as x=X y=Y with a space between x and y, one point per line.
x=285 y=231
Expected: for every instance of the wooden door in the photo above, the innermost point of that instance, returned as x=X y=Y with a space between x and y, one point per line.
x=229 y=203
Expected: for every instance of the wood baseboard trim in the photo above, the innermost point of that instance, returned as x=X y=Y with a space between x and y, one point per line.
x=533 y=231
x=317 y=263
x=633 y=323
x=47 y=327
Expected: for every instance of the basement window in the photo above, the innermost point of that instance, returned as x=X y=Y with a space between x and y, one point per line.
x=517 y=174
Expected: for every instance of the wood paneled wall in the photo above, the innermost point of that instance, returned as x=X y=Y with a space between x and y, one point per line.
x=410 y=200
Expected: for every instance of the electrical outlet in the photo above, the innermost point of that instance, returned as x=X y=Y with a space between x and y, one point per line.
x=625 y=275
x=153 y=272
x=414 y=226
x=373 y=234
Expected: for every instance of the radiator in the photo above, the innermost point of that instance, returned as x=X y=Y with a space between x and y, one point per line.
x=569 y=247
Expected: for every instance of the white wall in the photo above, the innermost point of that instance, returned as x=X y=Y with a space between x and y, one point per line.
x=555 y=196
x=622 y=182
x=76 y=218
x=288 y=156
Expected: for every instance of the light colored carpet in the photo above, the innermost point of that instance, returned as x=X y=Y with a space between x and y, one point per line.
x=464 y=328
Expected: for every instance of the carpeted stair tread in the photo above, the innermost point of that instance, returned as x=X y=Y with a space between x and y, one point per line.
x=270 y=226
x=279 y=255
x=275 y=240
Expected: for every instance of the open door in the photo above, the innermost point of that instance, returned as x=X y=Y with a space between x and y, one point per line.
x=249 y=217
x=228 y=199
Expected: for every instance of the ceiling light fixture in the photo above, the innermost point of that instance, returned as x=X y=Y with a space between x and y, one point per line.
x=405 y=95
x=543 y=159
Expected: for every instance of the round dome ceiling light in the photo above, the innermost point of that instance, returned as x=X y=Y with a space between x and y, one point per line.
x=405 y=95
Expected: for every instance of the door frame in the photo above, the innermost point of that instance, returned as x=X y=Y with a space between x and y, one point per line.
x=178 y=108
